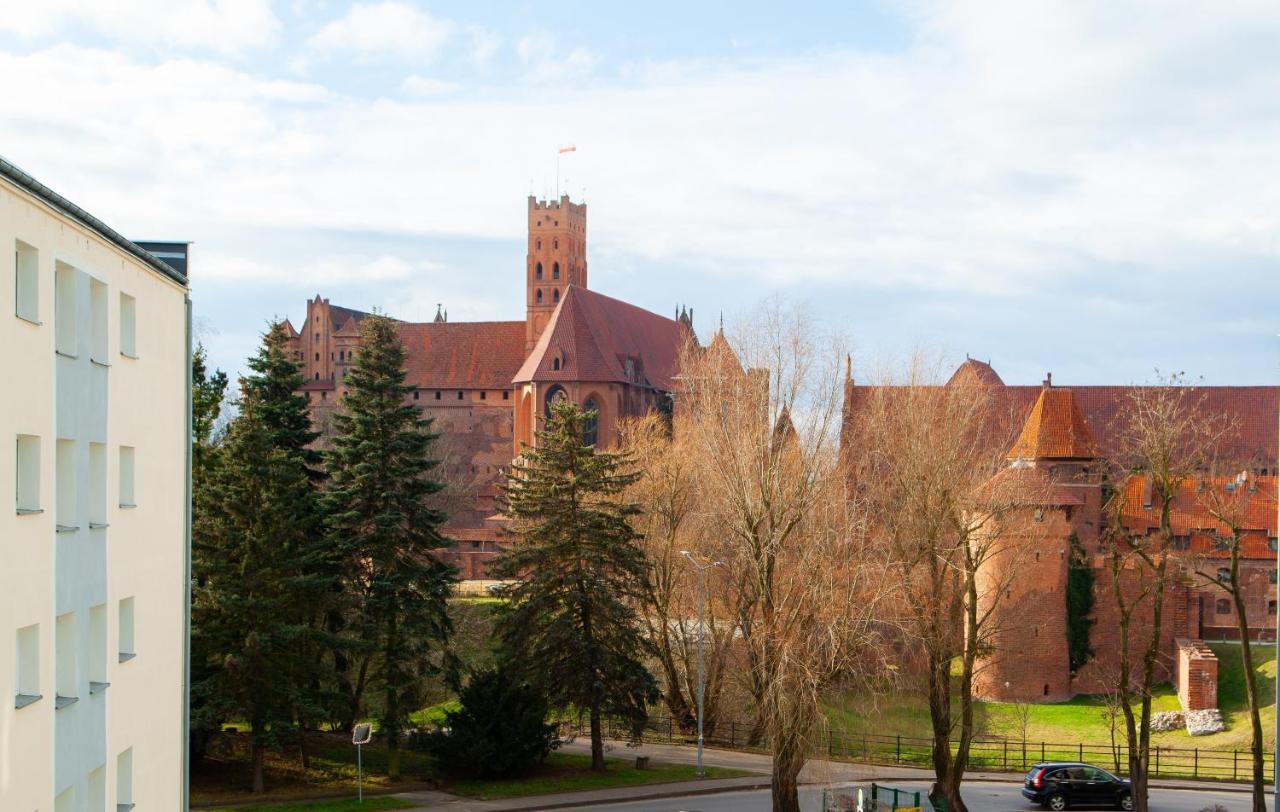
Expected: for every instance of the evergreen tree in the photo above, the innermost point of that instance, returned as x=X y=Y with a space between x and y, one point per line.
x=381 y=470
x=259 y=561
x=571 y=628
x=500 y=731
x=207 y=391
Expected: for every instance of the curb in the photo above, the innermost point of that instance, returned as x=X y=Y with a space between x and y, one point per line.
x=671 y=791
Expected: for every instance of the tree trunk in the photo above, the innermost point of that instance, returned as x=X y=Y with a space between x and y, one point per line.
x=257 y=757
x=787 y=763
x=302 y=744
x=597 y=740
x=1251 y=688
x=945 y=788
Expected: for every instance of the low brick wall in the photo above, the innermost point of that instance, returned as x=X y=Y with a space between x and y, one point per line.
x=1197 y=675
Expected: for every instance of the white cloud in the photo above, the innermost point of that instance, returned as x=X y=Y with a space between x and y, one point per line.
x=166 y=26
x=385 y=30
x=1004 y=156
x=484 y=43
x=416 y=85
x=546 y=60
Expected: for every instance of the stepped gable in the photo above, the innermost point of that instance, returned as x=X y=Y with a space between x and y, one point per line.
x=1055 y=429
x=462 y=355
x=591 y=337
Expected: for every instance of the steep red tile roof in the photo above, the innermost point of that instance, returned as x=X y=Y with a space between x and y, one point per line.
x=592 y=336
x=1055 y=429
x=462 y=355
x=1030 y=486
x=1254 y=500
x=973 y=371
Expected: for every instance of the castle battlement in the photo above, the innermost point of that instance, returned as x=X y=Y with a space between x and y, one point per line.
x=563 y=204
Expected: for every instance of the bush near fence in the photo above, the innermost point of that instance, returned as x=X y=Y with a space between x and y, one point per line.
x=1002 y=755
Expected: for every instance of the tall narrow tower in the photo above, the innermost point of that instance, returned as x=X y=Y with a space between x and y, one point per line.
x=557 y=258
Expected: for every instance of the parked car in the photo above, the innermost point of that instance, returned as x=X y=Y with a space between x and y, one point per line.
x=1062 y=784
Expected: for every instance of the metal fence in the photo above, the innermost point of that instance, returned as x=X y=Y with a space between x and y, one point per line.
x=987 y=754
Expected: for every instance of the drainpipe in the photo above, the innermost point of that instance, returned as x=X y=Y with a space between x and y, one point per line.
x=186 y=585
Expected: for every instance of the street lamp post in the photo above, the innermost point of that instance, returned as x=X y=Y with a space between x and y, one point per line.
x=702 y=642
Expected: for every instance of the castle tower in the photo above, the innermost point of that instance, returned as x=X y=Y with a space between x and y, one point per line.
x=1052 y=496
x=557 y=258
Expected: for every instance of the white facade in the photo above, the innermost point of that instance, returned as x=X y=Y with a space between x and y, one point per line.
x=93 y=522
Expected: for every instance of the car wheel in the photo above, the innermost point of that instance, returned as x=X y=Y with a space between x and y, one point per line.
x=1056 y=802
x=1126 y=802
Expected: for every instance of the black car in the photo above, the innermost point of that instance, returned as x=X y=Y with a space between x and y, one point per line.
x=1062 y=784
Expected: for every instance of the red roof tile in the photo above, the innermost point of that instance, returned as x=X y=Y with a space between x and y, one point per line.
x=593 y=335
x=973 y=371
x=1055 y=429
x=462 y=355
x=1254 y=500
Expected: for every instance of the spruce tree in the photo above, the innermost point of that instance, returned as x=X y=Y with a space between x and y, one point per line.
x=380 y=516
x=571 y=628
x=259 y=561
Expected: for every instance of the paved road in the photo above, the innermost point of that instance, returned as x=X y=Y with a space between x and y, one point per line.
x=982 y=797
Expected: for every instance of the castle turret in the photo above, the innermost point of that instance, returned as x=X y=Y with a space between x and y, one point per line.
x=557 y=258
x=1050 y=498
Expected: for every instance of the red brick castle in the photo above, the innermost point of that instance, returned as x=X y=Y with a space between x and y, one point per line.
x=486 y=384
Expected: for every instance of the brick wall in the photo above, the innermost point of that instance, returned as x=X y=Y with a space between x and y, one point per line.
x=1197 y=675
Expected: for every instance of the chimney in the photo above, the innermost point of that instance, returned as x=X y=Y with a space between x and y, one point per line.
x=1047 y=383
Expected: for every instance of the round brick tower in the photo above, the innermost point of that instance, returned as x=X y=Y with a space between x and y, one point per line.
x=1052 y=491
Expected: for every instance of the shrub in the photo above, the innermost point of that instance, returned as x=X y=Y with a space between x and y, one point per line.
x=500 y=730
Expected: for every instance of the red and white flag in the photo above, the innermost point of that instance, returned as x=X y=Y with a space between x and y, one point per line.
x=563 y=150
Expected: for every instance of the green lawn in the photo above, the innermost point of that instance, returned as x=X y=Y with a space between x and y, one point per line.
x=571 y=772
x=332 y=806
x=1080 y=719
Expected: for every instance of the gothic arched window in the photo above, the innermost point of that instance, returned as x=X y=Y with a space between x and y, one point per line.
x=555 y=295
x=554 y=395
x=591 y=425
x=555 y=270
x=537 y=272
x=537 y=297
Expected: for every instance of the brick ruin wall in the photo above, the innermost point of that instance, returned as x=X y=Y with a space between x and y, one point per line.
x=1197 y=675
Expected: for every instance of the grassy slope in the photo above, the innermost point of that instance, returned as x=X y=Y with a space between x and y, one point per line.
x=1081 y=719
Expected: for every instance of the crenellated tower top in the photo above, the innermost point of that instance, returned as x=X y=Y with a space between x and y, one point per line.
x=557 y=258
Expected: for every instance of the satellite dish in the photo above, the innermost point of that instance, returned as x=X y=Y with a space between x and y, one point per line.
x=362 y=734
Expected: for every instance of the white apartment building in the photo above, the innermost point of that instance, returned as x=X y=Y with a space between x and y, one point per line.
x=94 y=448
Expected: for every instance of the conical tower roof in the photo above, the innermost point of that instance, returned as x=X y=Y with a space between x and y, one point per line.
x=1055 y=429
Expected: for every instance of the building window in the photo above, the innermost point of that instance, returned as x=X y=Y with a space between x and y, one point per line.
x=124 y=779
x=97 y=504
x=317 y=376
x=537 y=296
x=482 y=394
x=459 y=396
x=537 y=271
x=555 y=270
x=65 y=508
x=415 y=394
x=555 y=245
x=128 y=326
x=1271 y=576
x=555 y=295
x=97 y=648
x=506 y=395
x=1223 y=606
x=26 y=284
x=437 y=394
x=341 y=355
x=125 y=641
x=97 y=321
x=65 y=679
x=98 y=788
x=539 y=244
x=555 y=363
x=64 y=309
x=317 y=356
x=1271 y=607
x=28 y=474
x=1220 y=542
x=1224 y=575
x=591 y=425
x=28 y=666
x=127 y=495
x=1271 y=544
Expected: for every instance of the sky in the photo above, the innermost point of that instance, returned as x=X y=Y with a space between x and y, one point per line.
x=1091 y=189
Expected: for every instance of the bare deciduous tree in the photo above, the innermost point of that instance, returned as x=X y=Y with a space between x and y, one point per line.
x=1235 y=504
x=930 y=471
x=805 y=586
x=1165 y=436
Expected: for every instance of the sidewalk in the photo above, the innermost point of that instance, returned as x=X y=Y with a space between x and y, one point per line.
x=815 y=772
